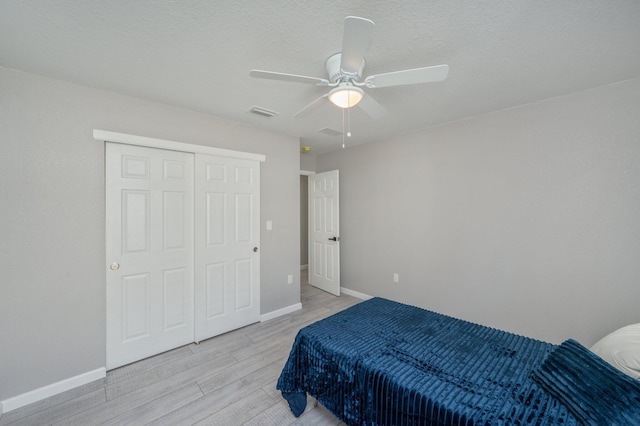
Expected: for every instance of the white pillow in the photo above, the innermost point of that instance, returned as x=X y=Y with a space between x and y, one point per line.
x=621 y=349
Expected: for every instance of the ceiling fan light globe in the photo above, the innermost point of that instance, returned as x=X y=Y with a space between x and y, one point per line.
x=346 y=97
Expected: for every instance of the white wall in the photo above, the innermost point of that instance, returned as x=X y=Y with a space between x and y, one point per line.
x=526 y=219
x=52 y=305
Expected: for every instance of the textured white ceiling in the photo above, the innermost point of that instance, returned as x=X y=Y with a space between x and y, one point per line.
x=198 y=54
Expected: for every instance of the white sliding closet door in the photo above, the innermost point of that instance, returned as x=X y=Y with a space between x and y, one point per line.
x=182 y=244
x=150 y=258
x=227 y=267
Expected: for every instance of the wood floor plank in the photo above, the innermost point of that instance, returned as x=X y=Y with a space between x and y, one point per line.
x=105 y=412
x=318 y=416
x=155 y=409
x=260 y=375
x=277 y=414
x=270 y=388
x=218 y=399
x=281 y=344
x=49 y=403
x=293 y=323
x=192 y=412
x=181 y=372
x=239 y=412
x=225 y=342
x=136 y=368
x=61 y=411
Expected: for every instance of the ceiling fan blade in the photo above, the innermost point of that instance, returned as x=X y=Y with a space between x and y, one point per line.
x=272 y=75
x=414 y=76
x=372 y=107
x=311 y=107
x=355 y=43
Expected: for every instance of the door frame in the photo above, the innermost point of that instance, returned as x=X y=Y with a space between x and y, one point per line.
x=307 y=173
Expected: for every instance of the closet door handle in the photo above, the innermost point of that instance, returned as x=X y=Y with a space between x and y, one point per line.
x=255 y=249
x=114 y=266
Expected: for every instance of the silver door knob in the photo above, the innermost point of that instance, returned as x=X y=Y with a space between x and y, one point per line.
x=114 y=266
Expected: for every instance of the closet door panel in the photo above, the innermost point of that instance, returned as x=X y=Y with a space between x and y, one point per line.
x=227 y=267
x=150 y=257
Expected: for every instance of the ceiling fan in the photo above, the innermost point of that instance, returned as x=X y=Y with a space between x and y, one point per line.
x=345 y=73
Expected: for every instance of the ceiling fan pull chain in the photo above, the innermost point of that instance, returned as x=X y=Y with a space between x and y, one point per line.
x=349 y=117
x=343 y=143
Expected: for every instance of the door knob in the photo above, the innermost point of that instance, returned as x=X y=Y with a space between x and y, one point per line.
x=114 y=266
x=334 y=239
x=255 y=249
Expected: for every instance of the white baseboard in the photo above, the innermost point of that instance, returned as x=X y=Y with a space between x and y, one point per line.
x=354 y=293
x=52 y=389
x=303 y=267
x=280 y=312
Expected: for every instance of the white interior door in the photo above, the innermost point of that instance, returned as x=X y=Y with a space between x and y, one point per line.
x=227 y=244
x=149 y=236
x=324 y=230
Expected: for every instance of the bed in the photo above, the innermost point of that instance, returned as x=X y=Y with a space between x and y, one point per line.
x=385 y=363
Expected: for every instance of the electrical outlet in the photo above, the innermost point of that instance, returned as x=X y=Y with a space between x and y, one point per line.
x=396 y=278
x=290 y=279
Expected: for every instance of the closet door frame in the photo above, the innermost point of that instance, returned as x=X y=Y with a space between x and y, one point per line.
x=106 y=136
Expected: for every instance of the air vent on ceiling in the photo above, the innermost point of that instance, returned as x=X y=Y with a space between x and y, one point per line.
x=330 y=132
x=263 y=112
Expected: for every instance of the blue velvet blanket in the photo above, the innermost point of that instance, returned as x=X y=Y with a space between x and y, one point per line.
x=595 y=392
x=385 y=363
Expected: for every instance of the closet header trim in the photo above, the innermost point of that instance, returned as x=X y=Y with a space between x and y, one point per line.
x=106 y=136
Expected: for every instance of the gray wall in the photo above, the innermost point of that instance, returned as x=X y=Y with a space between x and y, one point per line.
x=52 y=307
x=307 y=162
x=526 y=219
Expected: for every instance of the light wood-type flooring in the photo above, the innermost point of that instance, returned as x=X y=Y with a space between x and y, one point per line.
x=226 y=380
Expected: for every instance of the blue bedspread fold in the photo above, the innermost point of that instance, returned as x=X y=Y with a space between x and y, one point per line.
x=386 y=363
x=594 y=391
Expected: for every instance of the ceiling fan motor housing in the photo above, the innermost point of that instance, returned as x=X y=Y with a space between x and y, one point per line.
x=335 y=73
